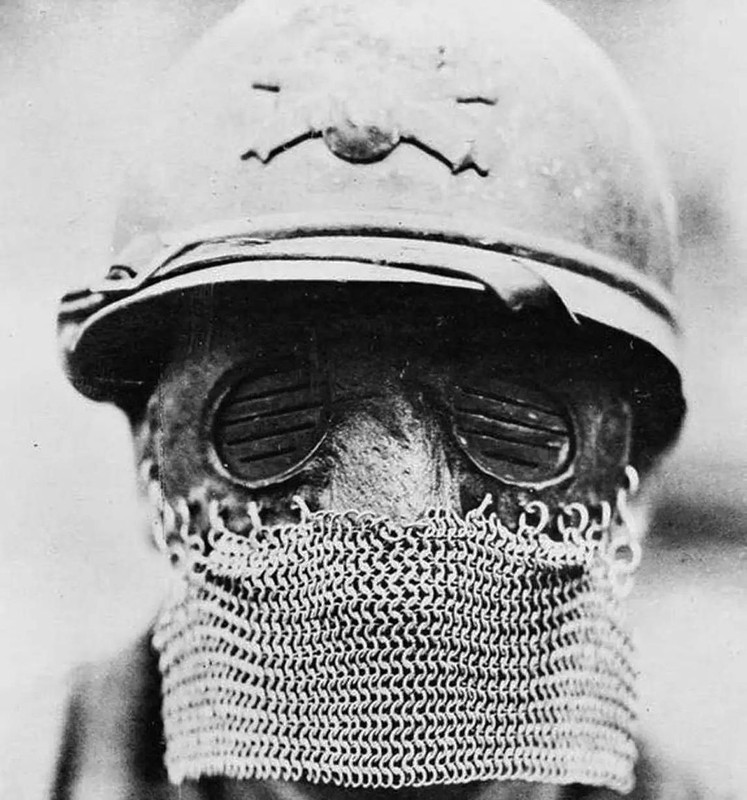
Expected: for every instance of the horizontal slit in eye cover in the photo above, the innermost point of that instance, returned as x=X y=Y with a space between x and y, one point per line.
x=269 y=423
x=512 y=432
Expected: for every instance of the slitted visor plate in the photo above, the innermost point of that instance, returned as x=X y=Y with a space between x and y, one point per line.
x=512 y=432
x=269 y=423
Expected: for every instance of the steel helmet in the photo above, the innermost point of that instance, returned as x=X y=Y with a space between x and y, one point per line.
x=482 y=144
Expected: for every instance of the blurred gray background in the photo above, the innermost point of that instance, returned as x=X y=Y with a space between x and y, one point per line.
x=77 y=579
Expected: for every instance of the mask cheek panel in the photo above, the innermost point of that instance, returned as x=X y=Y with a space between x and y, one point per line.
x=268 y=423
x=513 y=432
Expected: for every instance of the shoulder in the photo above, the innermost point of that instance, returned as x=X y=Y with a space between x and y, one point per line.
x=658 y=777
x=31 y=720
x=112 y=742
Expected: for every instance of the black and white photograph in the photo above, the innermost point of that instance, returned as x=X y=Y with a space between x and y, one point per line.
x=373 y=417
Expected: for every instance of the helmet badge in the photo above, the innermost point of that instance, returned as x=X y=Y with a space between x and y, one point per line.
x=361 y=128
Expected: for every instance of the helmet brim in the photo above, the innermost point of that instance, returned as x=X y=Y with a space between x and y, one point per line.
x=116 y=337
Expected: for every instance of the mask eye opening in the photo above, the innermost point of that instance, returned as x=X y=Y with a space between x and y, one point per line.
x=267 y=418
x=513 y=430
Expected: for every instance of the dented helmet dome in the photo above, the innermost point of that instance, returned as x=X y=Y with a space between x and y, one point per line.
x=482 y=144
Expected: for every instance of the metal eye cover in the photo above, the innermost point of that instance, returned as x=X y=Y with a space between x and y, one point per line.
x=513 y=431
x=268 y=423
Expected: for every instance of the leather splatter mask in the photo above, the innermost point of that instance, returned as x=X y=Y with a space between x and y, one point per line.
x=398 y=525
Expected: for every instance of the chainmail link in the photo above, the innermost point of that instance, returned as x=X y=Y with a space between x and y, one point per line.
x=349 y=650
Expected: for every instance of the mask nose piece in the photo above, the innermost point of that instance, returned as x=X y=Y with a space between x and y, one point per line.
x=387 y=455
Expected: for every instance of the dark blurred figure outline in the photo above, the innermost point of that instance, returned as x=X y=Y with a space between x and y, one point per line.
x=391 y=321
